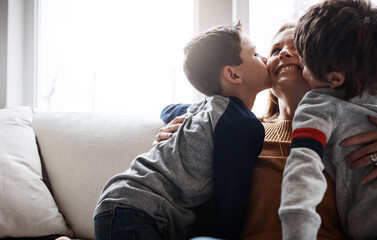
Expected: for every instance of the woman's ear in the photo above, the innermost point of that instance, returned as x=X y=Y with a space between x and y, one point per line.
x=230 y=75
x=335 y=79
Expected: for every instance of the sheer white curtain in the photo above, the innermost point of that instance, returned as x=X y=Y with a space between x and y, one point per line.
x=113 y=56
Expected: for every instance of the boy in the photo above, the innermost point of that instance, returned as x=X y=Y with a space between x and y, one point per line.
x=155 y=197
x=337 y=42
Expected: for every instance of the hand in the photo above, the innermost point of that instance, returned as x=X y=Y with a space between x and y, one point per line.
x=362 y=156
x=167 y=131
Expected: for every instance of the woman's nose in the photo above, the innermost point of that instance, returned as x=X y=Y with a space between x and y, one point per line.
x=285 y=52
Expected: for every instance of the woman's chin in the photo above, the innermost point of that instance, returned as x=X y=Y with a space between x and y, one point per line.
x=289 y=84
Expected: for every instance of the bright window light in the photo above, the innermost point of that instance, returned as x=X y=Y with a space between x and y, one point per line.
x=113 y=56
x=266 y=17
x=125 y=57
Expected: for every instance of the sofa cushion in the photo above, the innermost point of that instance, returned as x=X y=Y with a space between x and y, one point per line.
x=81 y=151
x=27 y=208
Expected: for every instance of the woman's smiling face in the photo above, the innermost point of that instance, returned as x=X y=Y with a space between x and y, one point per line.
x=284 y=65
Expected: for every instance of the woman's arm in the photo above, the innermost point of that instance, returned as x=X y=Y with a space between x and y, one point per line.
x=362 y=156
x=173 y=116
x=167 y=131
x=173 y=110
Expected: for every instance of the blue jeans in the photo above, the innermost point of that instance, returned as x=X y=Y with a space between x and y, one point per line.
x=126 y=223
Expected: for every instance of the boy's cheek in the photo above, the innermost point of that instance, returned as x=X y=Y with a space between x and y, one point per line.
x=306 y=74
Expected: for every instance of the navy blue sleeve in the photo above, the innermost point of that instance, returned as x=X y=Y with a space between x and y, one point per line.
x=236 y=149
x=174 y=110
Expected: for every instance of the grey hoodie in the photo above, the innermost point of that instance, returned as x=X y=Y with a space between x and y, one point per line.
x=322 y=120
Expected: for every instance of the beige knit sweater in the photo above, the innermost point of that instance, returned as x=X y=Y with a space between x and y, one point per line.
x=263 y=220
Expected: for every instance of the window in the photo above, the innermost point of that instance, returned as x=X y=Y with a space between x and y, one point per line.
x=113 y=56
x=125 y=57
x=266 y=17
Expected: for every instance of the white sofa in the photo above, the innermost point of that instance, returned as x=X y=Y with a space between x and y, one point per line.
x=79 y=152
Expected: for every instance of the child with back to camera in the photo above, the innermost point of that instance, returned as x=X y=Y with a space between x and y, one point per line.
x=337 y=42
x=211 y=155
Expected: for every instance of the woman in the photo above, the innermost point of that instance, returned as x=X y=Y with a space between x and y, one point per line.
x=288 y=88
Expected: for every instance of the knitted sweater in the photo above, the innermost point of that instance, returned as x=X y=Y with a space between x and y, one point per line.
x=263 y=220
x=262 y=215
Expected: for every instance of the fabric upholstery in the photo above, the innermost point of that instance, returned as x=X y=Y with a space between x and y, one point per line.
x=27 y=207
x=81 y=151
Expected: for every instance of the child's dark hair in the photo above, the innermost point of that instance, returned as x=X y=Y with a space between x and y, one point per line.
x=341 y=36
x=208 y=52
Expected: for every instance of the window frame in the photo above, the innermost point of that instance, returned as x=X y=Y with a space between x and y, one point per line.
x=19 y=21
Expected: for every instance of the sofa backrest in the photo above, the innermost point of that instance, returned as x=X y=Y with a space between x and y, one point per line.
x=81 y=151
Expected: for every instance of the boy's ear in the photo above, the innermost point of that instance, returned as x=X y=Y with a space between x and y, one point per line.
x=230 y=75
x=335 y=79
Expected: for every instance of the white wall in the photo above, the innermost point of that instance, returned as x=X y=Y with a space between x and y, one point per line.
x=29 y=89
x=16 y=55
x=15 y=52
x=209 y=13
x=3 y=51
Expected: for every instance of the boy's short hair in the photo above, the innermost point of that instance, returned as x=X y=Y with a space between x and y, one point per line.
x=341 y=36
x=208 y=52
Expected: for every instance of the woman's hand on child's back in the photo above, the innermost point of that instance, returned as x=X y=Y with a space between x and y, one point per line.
x=363 y=156
x=167 y=131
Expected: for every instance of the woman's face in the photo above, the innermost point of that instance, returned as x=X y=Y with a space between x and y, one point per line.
x=284 y=67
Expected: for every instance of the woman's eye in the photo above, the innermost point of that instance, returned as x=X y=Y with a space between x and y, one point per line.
x=275 y=50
